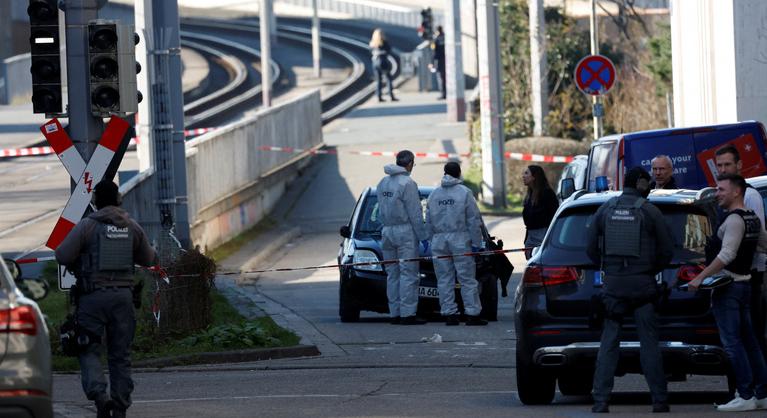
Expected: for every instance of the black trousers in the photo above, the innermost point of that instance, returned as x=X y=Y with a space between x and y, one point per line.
x=759 y=309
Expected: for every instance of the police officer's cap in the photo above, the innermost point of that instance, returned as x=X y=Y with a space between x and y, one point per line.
x=634 y=175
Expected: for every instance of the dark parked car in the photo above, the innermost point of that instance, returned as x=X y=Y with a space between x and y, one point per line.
x=364 y=287
x=557 y=325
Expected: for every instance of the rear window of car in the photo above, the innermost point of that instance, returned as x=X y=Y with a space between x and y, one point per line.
x=567 y=240
x=370 y=222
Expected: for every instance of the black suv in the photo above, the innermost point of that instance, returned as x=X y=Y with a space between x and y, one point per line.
x=364 y=287
x=556 y=317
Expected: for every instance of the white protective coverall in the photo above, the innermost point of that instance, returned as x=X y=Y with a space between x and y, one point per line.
x=400 y=211
x=453 y=222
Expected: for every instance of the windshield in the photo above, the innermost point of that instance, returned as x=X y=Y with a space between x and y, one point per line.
x=369 y=222
x=604 y=162
x=567 y=239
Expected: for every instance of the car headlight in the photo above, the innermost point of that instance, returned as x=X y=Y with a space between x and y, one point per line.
x=366 y=256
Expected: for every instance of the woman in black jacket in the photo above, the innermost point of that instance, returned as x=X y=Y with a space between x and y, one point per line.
x=540 y=205
x=380 y=51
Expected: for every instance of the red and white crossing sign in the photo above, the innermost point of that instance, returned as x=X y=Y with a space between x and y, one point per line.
x=595 y=75
x=86 y=175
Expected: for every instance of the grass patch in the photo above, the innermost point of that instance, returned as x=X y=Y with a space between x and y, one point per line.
x=472 y=178
x=228 y=330
x=230 y=247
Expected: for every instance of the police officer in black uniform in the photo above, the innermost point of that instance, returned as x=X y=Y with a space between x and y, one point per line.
x=101 y=251
x=631 y=242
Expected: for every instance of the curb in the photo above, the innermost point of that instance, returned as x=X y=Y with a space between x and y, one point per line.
x=234 y=356
x=270 y=249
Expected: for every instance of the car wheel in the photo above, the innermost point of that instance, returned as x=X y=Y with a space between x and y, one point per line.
x=576 y=383
x=534 y=385
x=488 y=297
x=348 y=309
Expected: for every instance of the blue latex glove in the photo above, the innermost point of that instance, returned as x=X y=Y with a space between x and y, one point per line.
x=475 y=249
x=425 y=244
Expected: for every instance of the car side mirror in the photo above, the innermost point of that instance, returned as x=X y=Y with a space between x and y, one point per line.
x=566 y=187
x=13 y=268
x=345 y=231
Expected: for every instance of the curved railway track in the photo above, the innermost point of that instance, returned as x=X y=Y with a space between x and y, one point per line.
x=226 y=100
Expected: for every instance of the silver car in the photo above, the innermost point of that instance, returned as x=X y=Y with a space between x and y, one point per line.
x=26 y=378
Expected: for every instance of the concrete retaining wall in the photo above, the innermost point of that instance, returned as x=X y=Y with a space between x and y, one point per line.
x=232 y=182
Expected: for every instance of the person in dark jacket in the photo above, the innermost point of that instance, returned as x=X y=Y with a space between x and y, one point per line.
x=380 y=51
x=663 y=173
x=439 y=64
x=101 y=250
x=540 y=205
x=631 y=241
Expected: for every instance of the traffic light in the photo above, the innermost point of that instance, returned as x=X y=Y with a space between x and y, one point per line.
x=427 y=22
x=46 y=59
x=113 y=68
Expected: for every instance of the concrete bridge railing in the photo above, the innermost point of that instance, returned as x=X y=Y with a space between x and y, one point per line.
x=232 y=181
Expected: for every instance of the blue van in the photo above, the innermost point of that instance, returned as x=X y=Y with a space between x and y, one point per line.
x=691 y=150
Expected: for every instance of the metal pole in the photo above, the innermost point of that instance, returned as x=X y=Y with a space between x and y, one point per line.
x=456 y=104
x=266 y=53
x=491 y=107
x=165 y=114
x=597 y=108
x=316 y=52
x=84 y=128
x=538 y=64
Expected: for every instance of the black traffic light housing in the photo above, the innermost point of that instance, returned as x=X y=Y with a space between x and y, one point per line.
x=427 y=24
x=46 y=56
x=112 y=68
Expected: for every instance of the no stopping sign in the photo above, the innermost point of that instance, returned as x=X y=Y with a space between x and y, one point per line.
x=595 y=75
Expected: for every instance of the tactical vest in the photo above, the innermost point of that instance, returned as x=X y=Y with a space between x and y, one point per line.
x=108 y=259
x=742 y=262
x=623 y=228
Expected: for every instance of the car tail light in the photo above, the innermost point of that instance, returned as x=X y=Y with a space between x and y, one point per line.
x=21 y=392
x=549 y=276
x=687 y=273
x=20 y=319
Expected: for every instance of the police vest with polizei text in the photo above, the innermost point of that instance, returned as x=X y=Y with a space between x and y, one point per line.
x=742 y=262
x=108 y=260
x=623 y=228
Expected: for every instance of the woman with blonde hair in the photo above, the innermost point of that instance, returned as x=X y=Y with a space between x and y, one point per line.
x=381 y=51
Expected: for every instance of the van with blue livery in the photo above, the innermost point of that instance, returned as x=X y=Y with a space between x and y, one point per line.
x=691 y=151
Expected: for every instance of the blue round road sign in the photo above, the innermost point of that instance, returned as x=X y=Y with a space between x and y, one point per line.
x=595 y=75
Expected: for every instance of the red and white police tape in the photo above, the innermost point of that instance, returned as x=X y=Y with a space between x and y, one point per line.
x=36 y=151
x=164 y=274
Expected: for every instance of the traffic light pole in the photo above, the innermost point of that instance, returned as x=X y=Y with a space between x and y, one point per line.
x=84 y=128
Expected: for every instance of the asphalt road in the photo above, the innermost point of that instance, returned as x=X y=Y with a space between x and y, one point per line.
x=370 y=368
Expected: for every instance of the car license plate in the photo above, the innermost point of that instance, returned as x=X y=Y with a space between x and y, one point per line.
x=428 y=292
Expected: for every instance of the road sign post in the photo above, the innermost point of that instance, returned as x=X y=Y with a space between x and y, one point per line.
x=595 y=76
